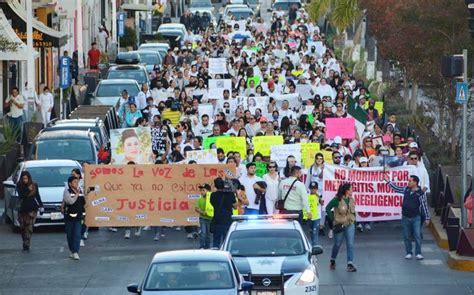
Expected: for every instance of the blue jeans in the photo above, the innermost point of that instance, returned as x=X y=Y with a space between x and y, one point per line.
x=250 y=211
x=412 y=228
x=17 y=126
x=220 y=231
x=348 y=234
x=73 y=229
x=315 y=232
x=205 y=241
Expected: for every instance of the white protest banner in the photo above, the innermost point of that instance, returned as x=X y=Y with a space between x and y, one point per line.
x=293 y=100
x=305 y=91
x=203 y=156
x=279 y=153
x=217 y=87
x=370 y=191
x=262 y=102
x=217 y=66
x=308 y=109
x=206 y=108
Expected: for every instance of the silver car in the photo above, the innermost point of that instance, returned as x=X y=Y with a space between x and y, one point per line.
x=108 y=92
x=51 y=177
x=187 y=272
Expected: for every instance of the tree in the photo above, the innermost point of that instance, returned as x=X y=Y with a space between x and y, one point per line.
x=342 y=13
x=7 y=45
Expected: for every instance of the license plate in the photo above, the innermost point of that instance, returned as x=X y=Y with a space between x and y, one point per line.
x=56 y=216
x=266 y=292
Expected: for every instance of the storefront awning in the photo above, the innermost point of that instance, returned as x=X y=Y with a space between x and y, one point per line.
x=7 y=32
x=43 y=36
x=136 y=7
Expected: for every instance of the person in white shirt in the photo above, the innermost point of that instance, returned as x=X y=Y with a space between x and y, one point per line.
x=203 y=129
x=285 y=111
x=45 y=104
x=325 y=89
x=249 y=182
x=142 y=96
x=414 y=159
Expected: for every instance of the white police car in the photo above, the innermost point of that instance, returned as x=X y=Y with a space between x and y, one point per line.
x=273 y=252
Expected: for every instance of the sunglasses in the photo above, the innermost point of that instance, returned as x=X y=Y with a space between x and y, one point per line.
x=337 y=157
x=271 y=167
x=319 y=158
x=414 y=159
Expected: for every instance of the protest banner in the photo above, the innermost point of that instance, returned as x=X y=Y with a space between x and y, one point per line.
x=210 y=141
x=378 y=106
x=262 y=144
x=217 y=66
x=308 y=110
x=279 y=153
x=233 y=143
x=217 y=87
x=343 y=127
x=206 y=108
x=203 y=156
x=305 y=91
x=293 y=100
x=327 y=156
x=370 y=191
x=308 y=151
x=147 y=195
x=131 y=145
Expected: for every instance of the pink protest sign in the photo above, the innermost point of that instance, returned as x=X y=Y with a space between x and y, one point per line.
x=343 y=127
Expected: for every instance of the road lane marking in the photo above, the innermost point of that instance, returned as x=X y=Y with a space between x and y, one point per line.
x=432 y=262
x=61 y=249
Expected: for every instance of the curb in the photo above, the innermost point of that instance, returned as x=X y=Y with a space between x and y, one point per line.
x=461 y=263
x=438 y=232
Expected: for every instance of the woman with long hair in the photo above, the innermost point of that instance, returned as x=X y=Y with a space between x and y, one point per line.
x=30 y=204
x=222 y=122
x=272 y=179
x=74 y=212
x=290 y=162
x=343 y=219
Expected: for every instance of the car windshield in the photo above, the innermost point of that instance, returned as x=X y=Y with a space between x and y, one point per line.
x=252 y=2
x=149 y=58
x=200 y=3
x=73 y=149
x=281 y=242
x=137 y=75
x=108 y=90
x=240 y=14
x=50 y=176
x=285 y=6
x=189 y=275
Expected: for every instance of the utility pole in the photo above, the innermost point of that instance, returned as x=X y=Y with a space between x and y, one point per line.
x=464 y=144
x=30 y=62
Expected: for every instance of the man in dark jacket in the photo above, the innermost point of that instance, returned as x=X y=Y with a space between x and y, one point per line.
x=223 y=203
x=414 y=209
x=197 y=22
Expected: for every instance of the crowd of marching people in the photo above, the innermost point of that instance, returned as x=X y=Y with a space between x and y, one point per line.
x=272 y=61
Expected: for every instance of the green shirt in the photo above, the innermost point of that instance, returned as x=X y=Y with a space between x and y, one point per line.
x=334 y=204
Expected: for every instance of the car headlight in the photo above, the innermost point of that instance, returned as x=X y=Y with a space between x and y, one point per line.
x=307 y=277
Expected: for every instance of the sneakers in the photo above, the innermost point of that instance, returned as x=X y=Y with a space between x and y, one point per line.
x=419 y=257
x=146 y=228
x=157 y=237
x=86 y=235
x=71 y=255
x=127 y=234
x=360 y=227
x=368 y=227
x=178 y=228
x=75 y=256
x=162 y=235
x=190 y=236
x=408 y=256
x=330 y=234
x=332 y=265
x=351 y=267
x=113 y=229
x=138 y=232
x=82 y=243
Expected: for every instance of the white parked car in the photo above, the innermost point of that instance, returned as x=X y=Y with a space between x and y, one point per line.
x=51 y=177
x=108 y=92
x=274 y=253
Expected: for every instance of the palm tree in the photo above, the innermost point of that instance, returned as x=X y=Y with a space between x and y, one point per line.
x=341 y=13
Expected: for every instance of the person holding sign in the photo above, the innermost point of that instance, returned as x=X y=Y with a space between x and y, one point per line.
x=206 y=213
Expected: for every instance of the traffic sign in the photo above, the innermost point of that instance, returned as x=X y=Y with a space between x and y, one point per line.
x=121 y=24
x=462 y=93
x=65 y=72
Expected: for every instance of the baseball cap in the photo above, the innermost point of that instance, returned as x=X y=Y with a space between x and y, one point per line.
x=364 y=160
x=313 y=184
x=413 y=145
x=205 y=186
x=338 y=140
x=263 y=119
x=131 y=99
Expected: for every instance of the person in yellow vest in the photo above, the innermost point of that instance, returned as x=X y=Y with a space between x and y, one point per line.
x=206 y=212
x=315 y=203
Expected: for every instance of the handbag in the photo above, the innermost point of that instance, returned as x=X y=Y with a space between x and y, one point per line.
x=212 y=225
x=338 y=228
x=280 y=204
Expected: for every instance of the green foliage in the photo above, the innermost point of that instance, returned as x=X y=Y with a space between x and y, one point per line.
x=342 y=13
x=7 y=45
x=129 y=38
x=10 y=138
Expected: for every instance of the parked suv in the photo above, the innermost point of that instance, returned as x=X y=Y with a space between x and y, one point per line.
x=78 y=145
x=94 y=125
x=51 y=177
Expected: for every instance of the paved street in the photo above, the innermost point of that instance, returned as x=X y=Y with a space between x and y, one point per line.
x=108 y=263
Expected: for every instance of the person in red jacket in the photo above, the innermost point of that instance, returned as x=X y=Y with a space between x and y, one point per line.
x=94 y=56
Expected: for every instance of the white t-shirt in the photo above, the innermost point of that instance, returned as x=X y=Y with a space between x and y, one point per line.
x=248 y=183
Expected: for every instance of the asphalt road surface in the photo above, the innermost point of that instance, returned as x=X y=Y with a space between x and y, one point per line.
x=109 y=263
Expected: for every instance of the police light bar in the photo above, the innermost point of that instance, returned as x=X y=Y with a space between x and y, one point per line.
x=266 y=216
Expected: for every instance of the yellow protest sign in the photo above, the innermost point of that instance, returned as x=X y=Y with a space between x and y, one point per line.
x=327 y=156
x=378 y=106
x=262 y=144
x=232 y=143
x=308 y=150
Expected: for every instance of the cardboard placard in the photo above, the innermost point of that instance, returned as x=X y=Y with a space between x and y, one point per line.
x=211 y=140
x=147 y=195
x=262 y=144
x=305 y=91
x=279 y=153
x=343 y=127
x=217 y=87
x=233 y=143
x=308 y=151
x=217 y=66
x=203 y=156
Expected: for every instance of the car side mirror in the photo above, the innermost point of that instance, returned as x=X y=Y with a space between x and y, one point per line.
x=269 y=10
x=317 y=250
x=246 y=286
x=133 y=288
